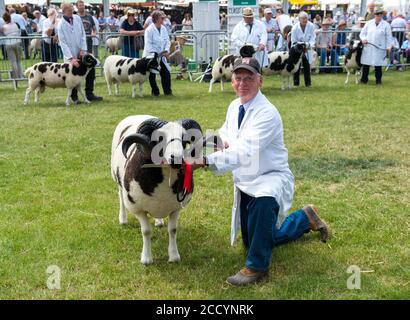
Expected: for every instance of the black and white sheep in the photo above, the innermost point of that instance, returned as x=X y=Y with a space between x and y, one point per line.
x=352 y=59
x=146 y=140
x=58 y=75
x=112 y=45
x=118 y=69
x=285 y=63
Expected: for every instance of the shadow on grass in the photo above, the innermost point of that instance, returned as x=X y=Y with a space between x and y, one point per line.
x=336 y=168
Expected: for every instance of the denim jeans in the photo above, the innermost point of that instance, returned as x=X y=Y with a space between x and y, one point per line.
x=322 y=52
x=259 y=232
x=334 y=58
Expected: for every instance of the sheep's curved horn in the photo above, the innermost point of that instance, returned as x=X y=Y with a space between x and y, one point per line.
x=188 y=124
x=135 y=138
x=149 y=126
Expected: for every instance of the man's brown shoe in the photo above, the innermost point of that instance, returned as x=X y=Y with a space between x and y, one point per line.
x=317 y=224
x=246 y=276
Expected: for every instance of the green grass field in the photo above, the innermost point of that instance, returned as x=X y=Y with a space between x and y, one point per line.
x=348 y=149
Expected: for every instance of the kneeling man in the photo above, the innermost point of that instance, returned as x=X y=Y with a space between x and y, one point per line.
x=256 y=155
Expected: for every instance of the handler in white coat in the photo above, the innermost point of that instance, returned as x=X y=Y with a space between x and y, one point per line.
x=72 y=39
x=156 y=40
x=304 y=31
x=378 y=41
x=256 y=155
x=251 y=31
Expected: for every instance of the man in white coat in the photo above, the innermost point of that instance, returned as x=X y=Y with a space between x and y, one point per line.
x=251 y=31
x=304 y=31
x=72 y=39
x=156 y=40
x=377 y=39
x=256 y=155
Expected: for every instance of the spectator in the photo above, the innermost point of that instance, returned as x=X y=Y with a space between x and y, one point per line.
x=22 y=23
x=272 y=28
x=222 y=21
x=338 y=46
x=102 y=21
x=90 y=31
x=370 y=12
x=395 y=54
x=176 y=57
x=3 y=48
x=283 y=43
x=148 y=21
x=96 y=37
x=49 y=47
x=157 y=41
x=38 y=22
x=112 y=22
x=398 y=26
x=140 y=17
x=406 y=48
x=317 y=21
x=132 y=31
x=187 y=23
x=357 y=28
x=30 y=23
x=324 y=43
x=13 y=46
x=304 y=31
x=168 y=25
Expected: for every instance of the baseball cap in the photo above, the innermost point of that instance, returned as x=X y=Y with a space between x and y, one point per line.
x=250 y=64
x=267 y=10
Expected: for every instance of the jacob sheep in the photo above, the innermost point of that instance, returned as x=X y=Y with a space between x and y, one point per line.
x=58 y=75
x=34 y=47
x=112 y=45
x=119 y=69
x=285 y=63
x=352 y=59
x=159 y=189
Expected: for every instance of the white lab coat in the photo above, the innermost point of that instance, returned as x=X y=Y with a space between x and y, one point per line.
x=155 y=41
x=241 y=36
x=309 y=37
x=256 y=156
x=71 y=38
x=380 y=38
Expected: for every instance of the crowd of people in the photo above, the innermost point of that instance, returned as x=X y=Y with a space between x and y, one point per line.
x=328 y=36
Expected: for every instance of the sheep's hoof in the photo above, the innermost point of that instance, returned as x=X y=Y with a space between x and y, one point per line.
x=159 y=222
x=174 y=259
x=146 y=260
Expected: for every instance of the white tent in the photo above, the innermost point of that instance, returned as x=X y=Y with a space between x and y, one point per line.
x=38 y=2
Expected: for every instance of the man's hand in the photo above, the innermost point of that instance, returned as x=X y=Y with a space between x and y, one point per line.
x=75 y=62
x=261 y=47
x=365 y=42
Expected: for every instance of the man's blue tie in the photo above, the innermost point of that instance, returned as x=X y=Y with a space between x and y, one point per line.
x=241 y=115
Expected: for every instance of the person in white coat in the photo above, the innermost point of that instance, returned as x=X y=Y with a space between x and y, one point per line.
x=254 y=151
x=304 y=31
x=377 y=39
x=251 y=31
x=156 y=40
x=72 y=39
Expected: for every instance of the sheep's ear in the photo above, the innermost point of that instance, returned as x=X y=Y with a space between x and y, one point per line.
x=189 y=124
x=138 y=138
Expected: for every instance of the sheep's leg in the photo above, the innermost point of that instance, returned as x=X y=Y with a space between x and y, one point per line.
x=289 y=83
x=347 y=77
x=27 y=97
x=146 y=254
x=140 y=86
x=117 y=90
x=133 y=88
x=358 y=74
x=109 y=86
x=122 y=217
x=211 y=84
x=283 y=83
x=36 y=95
x=159 y=222
x=222 y=85
x=172 y=232
x=69 y=92
x=80 y=90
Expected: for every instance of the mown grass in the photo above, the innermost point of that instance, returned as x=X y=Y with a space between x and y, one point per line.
x=348 y=148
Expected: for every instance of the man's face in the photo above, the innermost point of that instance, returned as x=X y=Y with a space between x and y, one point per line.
x=378 y=17
x=248 y=20
x=246 y=84
x=303 y=21
x=37 y=15
x=68 y=11
x=371 y=7
x=80 y=6
x=268 y=16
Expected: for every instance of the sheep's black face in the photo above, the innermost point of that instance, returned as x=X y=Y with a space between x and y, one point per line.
x=247 y=51
x=89 y=60
x=300 y=48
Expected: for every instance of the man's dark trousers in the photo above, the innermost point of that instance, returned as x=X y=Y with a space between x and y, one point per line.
x=259 y=232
